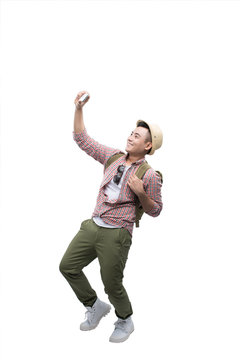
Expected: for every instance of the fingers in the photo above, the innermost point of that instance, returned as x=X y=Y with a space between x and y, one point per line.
x=130 y=180
x=79 y=95
x=133 y=178
x=135 y=184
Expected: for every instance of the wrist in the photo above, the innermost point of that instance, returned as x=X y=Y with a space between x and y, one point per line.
x=142 y=194
x=78 y=108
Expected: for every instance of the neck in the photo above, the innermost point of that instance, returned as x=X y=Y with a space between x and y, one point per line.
x=131 y=158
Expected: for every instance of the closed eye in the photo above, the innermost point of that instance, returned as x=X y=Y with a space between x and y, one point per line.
x=136 y=135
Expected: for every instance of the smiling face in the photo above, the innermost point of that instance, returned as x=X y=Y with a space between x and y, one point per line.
x=139 y=142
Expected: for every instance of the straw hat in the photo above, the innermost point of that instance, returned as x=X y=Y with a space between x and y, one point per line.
x=157 y=136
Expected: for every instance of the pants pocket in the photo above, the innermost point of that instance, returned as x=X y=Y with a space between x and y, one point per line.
x=84 y=223
x=125 y=237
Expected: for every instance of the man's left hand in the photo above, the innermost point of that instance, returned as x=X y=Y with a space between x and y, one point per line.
x=136 y=185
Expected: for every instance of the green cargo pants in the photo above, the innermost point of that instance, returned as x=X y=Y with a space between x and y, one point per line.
x=111 y=247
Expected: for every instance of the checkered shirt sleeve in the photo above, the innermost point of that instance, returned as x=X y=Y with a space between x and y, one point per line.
x=93 y=148
x=152 y=185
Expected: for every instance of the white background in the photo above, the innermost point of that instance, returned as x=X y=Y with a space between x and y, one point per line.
x=175 y=63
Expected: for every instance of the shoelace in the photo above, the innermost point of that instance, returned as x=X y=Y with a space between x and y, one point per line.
x=120 y=324
x=89 y=314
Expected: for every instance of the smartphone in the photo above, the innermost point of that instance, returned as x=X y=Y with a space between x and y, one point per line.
x=83 y=98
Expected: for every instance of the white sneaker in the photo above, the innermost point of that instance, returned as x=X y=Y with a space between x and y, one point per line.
x=123 y=329
x=94 y=314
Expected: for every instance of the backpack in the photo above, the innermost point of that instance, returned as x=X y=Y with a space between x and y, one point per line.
x=139 y=173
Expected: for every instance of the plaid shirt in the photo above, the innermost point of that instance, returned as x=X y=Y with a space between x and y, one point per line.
x=120 y=212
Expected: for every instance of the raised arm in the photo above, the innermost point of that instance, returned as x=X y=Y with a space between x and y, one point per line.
x=96 y=150
x=78 y=116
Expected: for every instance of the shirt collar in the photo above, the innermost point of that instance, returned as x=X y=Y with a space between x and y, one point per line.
x=136 y=162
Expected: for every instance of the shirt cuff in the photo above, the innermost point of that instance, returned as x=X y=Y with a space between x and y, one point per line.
x=154 y=211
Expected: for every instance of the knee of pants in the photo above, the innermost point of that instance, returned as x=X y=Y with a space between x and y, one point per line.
x=65 y=268
x=69 y=270
x=113 y=285
x=62 y=267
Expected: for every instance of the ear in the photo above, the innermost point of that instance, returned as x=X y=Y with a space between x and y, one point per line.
x=148 y=146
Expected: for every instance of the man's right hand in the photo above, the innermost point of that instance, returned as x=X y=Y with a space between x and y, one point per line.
x=78 y=104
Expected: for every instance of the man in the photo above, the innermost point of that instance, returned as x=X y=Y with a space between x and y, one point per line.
x=108 y=234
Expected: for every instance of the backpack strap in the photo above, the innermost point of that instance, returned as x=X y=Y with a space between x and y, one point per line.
x=160 y=175
x=112 y=159
x=142 y=169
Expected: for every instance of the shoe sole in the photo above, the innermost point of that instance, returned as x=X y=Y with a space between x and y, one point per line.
x=122 y=339
x=94 y=327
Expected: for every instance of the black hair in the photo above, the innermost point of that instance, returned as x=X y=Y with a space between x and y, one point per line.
x=144 y=125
